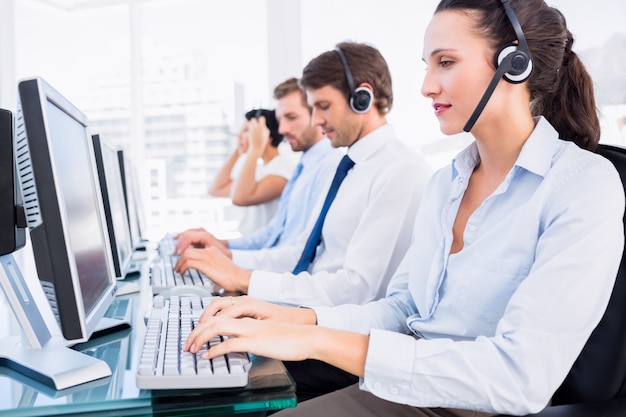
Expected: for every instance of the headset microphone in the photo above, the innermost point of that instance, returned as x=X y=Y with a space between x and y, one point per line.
x=500 y=71
x=513 y=63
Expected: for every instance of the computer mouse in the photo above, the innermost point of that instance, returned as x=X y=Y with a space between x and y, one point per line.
x=127 y=287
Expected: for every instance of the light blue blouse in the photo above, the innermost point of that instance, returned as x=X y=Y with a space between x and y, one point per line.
x=497 y=326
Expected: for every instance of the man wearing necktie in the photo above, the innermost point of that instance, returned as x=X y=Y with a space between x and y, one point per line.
x=309 y=180
x=364 y=220
x=365 y=228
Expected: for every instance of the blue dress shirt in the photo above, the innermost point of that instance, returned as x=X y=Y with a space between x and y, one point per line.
x=497 y=326
x=318 y=167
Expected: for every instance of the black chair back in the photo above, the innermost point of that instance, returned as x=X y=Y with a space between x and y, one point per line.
x=599 y=373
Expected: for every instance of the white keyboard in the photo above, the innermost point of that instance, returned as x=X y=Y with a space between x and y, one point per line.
x=163 y=276
x=163 y=363
x=166 y=245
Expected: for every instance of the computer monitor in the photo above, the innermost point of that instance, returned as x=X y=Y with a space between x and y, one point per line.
x=37 y=353
x=12 y=220
x=110 y=180
x=64 y=208
x=64 y=212
x=133 y=201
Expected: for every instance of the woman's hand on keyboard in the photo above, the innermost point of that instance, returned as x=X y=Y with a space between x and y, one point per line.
x=245 y=306
x=282 y=341
x=276 y=340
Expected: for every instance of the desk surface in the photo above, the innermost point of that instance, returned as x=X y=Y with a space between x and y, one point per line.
x=270 y=386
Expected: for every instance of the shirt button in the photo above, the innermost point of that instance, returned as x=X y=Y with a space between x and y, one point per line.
x=394 y=391
x=378 y=385
x=472 y=228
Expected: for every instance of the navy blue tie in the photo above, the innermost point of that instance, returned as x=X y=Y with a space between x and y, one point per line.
x=316 y=234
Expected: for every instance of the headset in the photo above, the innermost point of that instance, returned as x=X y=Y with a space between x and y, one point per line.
x=362 y=98
x=513 y=63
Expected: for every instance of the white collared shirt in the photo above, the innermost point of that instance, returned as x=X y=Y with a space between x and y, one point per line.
x=365 y=235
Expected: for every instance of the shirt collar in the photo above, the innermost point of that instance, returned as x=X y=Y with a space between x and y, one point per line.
x=538 y=151
x=368 y=145
x=316 y=152
x=536 y=155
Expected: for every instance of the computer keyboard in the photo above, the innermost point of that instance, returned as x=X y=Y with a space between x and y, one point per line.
x=166 y=245
x=163 y=363
x=163 y=276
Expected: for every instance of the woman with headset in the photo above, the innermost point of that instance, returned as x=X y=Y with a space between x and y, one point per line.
x=516 y=244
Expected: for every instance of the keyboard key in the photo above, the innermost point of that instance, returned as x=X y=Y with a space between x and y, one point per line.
x=163 y=276
x=163 y=363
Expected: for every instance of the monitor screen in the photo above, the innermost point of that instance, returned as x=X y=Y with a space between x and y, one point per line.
x=64 y=208
x=110 y=180
x=131 y=197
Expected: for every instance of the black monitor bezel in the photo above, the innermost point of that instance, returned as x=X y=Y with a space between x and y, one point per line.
x=12 y=234
x=51 y=248
x=131 y=196
x=121 y=264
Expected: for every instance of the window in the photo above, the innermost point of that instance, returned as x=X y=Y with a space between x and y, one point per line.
x=170 y=80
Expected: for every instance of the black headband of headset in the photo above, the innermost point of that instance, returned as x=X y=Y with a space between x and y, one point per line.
x=521 y=39
x=347 y=70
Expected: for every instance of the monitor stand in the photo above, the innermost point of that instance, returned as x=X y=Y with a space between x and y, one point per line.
x=59 y=367
x=116 y=318
x=36 y=353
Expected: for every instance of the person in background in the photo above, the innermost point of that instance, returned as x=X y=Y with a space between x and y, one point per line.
x=515 y=248
x=309 y=181
x=367 y=227
x=352 y=247
x=255 y=173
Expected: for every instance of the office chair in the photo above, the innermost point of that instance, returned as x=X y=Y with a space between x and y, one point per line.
x=596 y=384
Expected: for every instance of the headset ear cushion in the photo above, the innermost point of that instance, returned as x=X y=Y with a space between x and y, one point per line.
x=520 y=65
x=361 y=100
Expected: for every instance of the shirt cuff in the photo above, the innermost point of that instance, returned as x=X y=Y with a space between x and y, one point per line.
x=389 y=365
x=238 y=243
x=243 y=258
x=327 y=317
x=264 y=285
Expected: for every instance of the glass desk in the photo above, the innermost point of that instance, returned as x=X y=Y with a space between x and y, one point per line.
x=270 y=385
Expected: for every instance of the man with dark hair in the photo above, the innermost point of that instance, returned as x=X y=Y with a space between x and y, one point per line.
x=363 y=230
x=356 y=70
x=309 y=181
x=350 y=250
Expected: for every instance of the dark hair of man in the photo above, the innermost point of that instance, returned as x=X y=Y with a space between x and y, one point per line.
x=560 y=87
x=366 y=64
